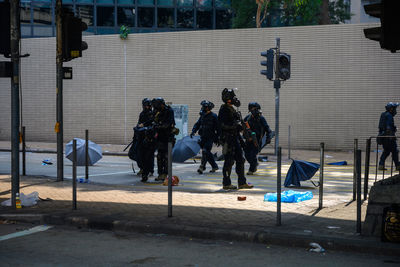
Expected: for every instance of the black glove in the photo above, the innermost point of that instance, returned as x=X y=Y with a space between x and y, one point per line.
x=191 y=135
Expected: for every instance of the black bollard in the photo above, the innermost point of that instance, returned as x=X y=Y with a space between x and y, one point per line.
x=354 y=168
x=23 y=152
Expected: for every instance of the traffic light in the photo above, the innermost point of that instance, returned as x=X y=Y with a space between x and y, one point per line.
x=269 y=63
x=283 y=66
x=5 y=28
x=389 y=32
x=72 y=44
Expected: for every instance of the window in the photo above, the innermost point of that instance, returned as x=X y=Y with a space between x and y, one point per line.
x=185 y=18
x=126 y=16
x=126 y=2
x=42 y=14
x=145 y=17
x=165 y=2
x=105 y=1
x=204 y=18
x=223 y=19
x=84 y=1
x=204 y=3
x=25 y=12
x=184 y=2
x=165 y=18
x=85 y=13
x=105 y=16
x=223 y=3
x=145 y=2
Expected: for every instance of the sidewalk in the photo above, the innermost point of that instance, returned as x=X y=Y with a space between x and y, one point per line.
x=217 y=215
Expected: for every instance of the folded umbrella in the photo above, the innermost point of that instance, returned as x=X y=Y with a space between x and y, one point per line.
x=185 y=148
x=300 y=170
x=95 y=152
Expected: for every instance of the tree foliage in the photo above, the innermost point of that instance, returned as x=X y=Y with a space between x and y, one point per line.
x=249 y=13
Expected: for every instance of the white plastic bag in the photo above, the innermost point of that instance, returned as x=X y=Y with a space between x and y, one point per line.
x=26 y=200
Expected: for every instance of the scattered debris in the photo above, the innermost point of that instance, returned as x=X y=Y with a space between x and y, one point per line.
x=47 y=162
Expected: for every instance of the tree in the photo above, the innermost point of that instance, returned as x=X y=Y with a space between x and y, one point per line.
x=289 y=12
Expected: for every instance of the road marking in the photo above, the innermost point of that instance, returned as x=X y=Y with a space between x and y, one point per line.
x=33 y=230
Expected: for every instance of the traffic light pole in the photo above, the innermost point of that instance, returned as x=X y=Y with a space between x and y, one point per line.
x=59 y=106
x=277 y=86
x=15 y=114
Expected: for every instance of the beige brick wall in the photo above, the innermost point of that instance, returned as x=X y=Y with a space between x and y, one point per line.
x=339 y=84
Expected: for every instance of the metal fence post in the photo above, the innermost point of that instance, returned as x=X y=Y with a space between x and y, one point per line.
x=358 y=175
x=169 y=179
x=354 y=168
x=366 y=171
x=376 y=160
x=278 y=188
x=321 y=175
x=289 y=142
x=86 y=155
x=74 y=174
x=23 y=152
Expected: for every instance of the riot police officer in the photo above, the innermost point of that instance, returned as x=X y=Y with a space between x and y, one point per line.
x=143 y=154
x=208 y=128
x=164 y=125
x=230 y=124
x=259 y=126
x=146 y=142
x=387 y=128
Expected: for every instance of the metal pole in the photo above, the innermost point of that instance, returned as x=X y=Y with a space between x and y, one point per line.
x=366 y=171
x=277 y=85
x=278 y=188
x=169 y=179
x=59 y=91
x=354 y=168
x=376 y=160
x=391 y=166
x=86 y=155
x=15 y=113
x=358 y=174
x=321 y=175
x=23 y=152
x=74 y=174
x=289 y=142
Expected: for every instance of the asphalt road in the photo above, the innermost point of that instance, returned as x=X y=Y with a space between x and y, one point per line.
x=118 y=170
x=60 y=246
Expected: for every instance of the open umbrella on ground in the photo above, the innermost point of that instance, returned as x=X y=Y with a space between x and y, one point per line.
x=300 y=170
x=185 y=148
x=95 y=153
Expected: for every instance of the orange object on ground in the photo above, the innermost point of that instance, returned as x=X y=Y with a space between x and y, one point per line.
x=175 y=180
x=241 y=198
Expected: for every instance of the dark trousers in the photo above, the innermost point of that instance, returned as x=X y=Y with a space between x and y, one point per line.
x=147 y=158
x=250 y=152
x=389 y=146
x=206 y=155
x=162 y=158
x=233 y=152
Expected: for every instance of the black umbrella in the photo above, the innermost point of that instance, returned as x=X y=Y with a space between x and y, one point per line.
x=185 y=148
x=300 y=170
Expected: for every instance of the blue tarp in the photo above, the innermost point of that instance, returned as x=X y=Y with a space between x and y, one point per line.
x=289 y=196
x=338 y=163
x=300 y=170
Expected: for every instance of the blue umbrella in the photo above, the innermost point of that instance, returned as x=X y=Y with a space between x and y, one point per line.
x=185 y=148
x=300 y=170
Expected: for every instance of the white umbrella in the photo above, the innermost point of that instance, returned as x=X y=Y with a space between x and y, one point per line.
x=95 y=152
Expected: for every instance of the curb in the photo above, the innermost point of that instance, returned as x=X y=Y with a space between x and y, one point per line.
x=50 y=151
x=358 y=244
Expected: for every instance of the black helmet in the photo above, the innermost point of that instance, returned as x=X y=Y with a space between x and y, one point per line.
x=228 y=95
x=254 y=105
x=146 y=102
x=207 y=104
x=157 y=102
x=391 y=105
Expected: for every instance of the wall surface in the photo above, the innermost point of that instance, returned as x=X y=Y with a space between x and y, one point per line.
x=340 y=82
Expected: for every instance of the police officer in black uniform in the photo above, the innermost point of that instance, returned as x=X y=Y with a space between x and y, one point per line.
x=209 y=132
x=229 y=120
x=164 y=125
x=258 y=126
x=143 y=142
x=387 y=128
